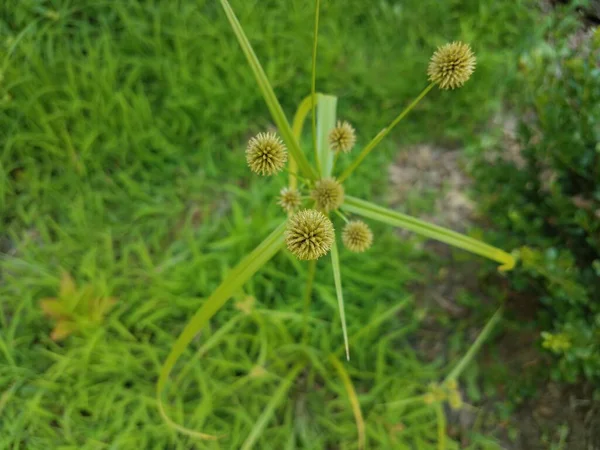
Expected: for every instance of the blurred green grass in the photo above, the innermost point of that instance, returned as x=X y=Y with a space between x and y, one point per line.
x=122 y=128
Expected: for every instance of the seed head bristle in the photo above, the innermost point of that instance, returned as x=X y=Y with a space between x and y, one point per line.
x=289 y=199
x=451 y=65
x=357 y=236
x=309 y=234
x=266 y=154
x=328 y=194
x=342 y=138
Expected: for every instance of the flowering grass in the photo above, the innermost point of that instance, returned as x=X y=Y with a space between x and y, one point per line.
x=117 y=124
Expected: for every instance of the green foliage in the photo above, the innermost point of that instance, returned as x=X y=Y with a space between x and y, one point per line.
x=551 y=191
x=75 y=310
x=121 y=133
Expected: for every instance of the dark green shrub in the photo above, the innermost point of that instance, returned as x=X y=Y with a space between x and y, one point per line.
x=544 y=199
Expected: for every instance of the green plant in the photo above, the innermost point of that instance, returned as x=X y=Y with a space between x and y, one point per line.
x=75 y=310
x=550 y=188
x=309 y=234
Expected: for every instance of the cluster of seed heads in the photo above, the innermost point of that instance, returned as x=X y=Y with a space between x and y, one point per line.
x=310 y=233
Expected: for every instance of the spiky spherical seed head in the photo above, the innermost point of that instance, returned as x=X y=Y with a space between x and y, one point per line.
x=342 y=138
x=357 y=236
x=451 y=65
x=309 y=234
x=266 y=154
x=328 y=194
x=289 y=199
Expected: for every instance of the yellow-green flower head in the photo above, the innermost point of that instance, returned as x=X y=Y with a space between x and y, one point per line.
x=309 y=234
x=328 y=194
x=342 y=138
x=455 y=400
x=266 y=154
x=357 y=236
x=557 y=343
x=289 y=199
x=451 y=65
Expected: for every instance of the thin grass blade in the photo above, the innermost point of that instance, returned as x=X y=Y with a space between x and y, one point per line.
x=236 y=278
x=394 y=218
x=268 y=94
x=353 y=398
x=337 y=278
x=468 y=357
x=267 y=415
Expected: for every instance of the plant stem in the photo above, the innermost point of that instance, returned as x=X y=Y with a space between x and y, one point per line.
x=335 y=158
x=340 y=214
x=313 y=94
x=383 y=133
x=464 y=362
x=441 y=421
x=307 y=298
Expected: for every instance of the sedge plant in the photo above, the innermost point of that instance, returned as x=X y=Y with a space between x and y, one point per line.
x=318 y=212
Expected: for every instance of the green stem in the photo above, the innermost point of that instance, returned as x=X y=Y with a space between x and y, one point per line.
x=464 y=362
x=307 y=299
x=335 y=158
x=383 y=133
x=441 y=421
x=340 y=214
x=314 y=87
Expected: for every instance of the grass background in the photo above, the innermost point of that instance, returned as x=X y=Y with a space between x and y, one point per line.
x=122 y=128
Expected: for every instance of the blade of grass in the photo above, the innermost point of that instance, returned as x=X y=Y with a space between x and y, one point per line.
x=327 y=115
x=268 y=94
x=468 y=357
x=352 y=397
x=383 y=133
x=394 y=218
x=278 y=397
x=337 y=278
x=314 y=86
x=235 y=279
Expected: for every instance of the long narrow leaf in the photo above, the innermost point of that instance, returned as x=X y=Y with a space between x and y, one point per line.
x=394 y=218
x=353 y=398
x=268 y=94
x=327 y=115
x=297 y=124
x=337 y=278
x=235 y=279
